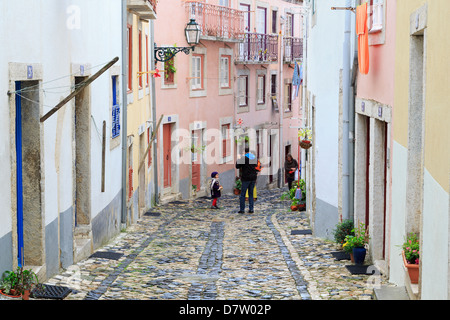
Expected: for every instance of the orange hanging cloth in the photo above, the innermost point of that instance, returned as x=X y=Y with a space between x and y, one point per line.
x=363 y=38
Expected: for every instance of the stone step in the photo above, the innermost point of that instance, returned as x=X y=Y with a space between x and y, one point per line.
x=390 y=293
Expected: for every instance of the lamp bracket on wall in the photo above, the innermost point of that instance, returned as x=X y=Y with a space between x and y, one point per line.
x=164 y=54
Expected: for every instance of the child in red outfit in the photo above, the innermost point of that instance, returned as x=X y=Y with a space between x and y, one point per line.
x=215 y=189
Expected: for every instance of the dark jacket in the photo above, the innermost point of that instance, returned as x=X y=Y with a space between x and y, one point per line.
x=287 y=168
x=247 y=166
x=215 y=191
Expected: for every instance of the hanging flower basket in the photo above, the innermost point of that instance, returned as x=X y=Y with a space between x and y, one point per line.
x=305 y=144
x=304 y=138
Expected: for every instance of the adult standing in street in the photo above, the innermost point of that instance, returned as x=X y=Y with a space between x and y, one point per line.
x=290 y=166
x=248 y=172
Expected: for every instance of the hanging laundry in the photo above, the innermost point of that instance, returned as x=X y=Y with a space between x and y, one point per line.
x=297 y=80
x=363 y=38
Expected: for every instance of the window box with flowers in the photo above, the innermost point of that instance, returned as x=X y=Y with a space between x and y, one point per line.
x=411 y=254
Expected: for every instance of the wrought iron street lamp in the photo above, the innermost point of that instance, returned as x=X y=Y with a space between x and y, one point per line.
x=192 y=33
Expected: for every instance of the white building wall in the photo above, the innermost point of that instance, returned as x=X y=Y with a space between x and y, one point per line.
x=325 y=62
x=56 y=34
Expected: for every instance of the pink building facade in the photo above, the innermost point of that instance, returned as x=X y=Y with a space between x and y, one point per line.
x=373 y=131
x=220 y=93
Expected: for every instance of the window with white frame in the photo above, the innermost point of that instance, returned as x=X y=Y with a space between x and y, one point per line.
x=225 y=71
x=289 y=25
x=376 y=13
x=243 y=91
x=197 y=72
x=224 y=3
x=261 y=20
x=261 y=89
x=225 y=140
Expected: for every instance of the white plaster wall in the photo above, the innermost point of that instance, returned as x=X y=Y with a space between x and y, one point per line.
x=435 y=240
x=96 y=42
x=5 y=173
x=37 y=32
x=325 y=59
x=399 y=174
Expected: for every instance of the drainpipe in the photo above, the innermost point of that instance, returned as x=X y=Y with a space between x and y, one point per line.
x=345 y=113
x=155 y=151
x=124 y=113
x=281 y=106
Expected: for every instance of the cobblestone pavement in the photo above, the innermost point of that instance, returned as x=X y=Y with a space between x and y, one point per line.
x=187 y=251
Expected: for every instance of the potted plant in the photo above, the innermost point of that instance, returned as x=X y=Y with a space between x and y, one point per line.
x=342 y=230
x=8 y=285
x=349 y=245
x=358 y=242
x=411 y=255
x=304 y=138
x=19 y=283
x=237 y=186
x=297 y=202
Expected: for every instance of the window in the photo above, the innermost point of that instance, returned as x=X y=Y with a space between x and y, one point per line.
x=261 y=20
x=243 y=91
x=224 y=3
x=273 y=91
x=261 y=89
x=274 y=21
x=225 y=140
x=169 y=71
x=197 y=72
x=289 y=25
x=130 y=57
x=288 y=97
x=225 y=71
x=246 y=9
x=115 y=109
x=376 y=15
x=140 y=59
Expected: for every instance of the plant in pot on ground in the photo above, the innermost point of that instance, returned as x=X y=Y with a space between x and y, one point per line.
x=297 y=201
x=357 y=243
x=411 y=255
x=342 y=230
x=237 y=186
x=19 y=283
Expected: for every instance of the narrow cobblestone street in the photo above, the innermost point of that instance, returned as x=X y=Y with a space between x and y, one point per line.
x=186 y=251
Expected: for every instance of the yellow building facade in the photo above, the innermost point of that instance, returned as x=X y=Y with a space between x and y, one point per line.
x=139 y=116
x=421 y=147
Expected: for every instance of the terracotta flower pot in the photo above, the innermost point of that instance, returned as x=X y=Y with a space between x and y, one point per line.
x=413 y=270
x=237 y=191
x=294 y=208
x=12 y=295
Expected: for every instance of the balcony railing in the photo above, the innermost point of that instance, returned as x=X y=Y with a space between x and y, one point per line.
x=217 y=22
x=293 y=49
x=146 y=9
x=258 y=48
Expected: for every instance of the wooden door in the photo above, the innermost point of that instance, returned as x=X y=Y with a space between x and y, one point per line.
x=195 y=161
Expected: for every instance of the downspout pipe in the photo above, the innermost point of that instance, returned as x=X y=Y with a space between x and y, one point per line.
x=155 y=151
x=124 y=112
x=345 y=112
x=281 y=103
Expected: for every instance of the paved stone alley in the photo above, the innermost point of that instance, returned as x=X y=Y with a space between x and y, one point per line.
x=186 y=251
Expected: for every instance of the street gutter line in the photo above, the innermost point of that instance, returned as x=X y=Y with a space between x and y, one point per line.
x=311 y=285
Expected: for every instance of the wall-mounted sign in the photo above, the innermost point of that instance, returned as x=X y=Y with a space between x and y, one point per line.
x=380 y=112
x=29 y=72
x=363 y=106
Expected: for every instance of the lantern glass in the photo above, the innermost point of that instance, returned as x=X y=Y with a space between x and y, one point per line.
x=192 y=32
